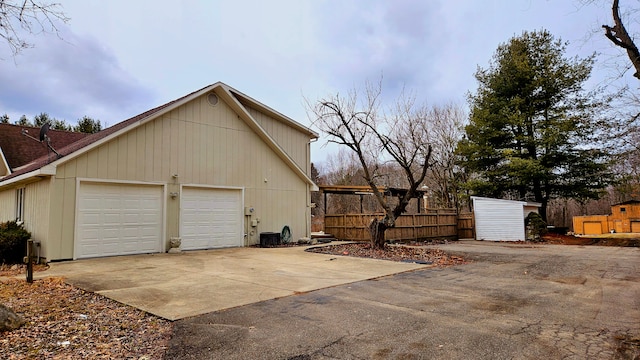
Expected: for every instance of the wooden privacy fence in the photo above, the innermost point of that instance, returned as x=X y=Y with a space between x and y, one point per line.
x=465 y=226
x=436 y=223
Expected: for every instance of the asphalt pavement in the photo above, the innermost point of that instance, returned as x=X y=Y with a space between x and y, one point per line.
x=511 y=302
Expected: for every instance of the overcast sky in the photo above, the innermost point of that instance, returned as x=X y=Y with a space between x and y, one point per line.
x=119 y=58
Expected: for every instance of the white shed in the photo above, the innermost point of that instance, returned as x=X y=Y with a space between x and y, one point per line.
x=530 y=207
x=500 y=220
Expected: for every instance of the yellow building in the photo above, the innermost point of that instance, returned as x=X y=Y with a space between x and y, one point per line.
x=624 y=218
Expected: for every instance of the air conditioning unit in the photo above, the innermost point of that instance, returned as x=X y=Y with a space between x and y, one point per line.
x=269 y=239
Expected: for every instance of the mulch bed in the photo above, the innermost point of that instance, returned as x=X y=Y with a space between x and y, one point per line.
x=419 y=254
x=64 y=322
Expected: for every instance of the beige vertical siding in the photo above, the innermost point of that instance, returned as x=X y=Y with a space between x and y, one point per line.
x=7 y=204
x=4 y=167
x=36 y=209
x=202 y=145
x=53 y=248
x=293 y=141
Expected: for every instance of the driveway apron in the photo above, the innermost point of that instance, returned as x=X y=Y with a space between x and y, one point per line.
x=176 y=286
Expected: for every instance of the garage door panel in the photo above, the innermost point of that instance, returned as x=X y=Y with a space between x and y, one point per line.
x=110 y=219
x=110 y=203
x=92 y=204
x=118 y=219
x=89 y=248
x=592 y=228
x=90 y=218
x=211 y=218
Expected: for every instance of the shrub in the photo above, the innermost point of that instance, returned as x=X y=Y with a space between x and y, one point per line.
x=536 y=226
x=13 y=242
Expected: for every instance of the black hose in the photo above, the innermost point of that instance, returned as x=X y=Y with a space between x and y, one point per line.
x=285 y=236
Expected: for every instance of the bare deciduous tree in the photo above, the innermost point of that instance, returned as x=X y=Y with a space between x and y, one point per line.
x=342 y=168
x=619 y=35
x=445 y=130
x=21 y=17
x=398 y=136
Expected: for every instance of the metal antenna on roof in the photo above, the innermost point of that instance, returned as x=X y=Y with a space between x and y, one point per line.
x=44 y=129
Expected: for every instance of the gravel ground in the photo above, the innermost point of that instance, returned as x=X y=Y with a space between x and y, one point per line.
x=64 y=322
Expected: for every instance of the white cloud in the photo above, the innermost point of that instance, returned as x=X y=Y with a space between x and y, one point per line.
x=123 y=57
x=70 y=78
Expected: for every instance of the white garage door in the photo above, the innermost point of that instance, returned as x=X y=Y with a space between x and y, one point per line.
x=498 y=220
x=211 y=218
x=118 y=219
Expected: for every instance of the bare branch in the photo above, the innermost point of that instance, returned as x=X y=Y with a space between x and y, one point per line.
x=21 y=18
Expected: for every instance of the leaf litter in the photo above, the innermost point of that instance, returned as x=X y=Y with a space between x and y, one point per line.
x=65 y=322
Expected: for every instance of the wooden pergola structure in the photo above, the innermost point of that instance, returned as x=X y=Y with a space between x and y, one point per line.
x=363 y=190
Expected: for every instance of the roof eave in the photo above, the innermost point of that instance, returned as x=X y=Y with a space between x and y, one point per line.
x=45 y=171
x=495 y=199
x=271 y=112
x=226 y=94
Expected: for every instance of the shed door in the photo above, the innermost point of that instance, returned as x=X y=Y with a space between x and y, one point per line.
x=118 y=219
x=618 y=226
x=592 y=228
x=499 y=220
x=211 y=218
x=635 y=226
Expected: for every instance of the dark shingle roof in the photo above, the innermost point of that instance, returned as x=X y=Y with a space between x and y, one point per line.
x=19 y=150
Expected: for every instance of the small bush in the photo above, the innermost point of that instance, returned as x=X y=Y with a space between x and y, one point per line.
x=536 y=226
x=13 y=242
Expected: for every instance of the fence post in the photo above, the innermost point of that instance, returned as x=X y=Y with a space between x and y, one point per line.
x=29 y=260
x=438 y=228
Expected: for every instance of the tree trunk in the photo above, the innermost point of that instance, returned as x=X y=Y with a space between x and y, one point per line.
x=543 y=209
x=377 y=229
x=618 y=35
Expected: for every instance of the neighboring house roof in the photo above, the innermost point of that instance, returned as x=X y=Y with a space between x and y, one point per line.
x=19 y=150
x=232 y=97
x=629 y=202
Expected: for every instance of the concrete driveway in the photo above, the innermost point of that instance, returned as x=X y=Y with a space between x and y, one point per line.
x=175 y=286
x=512 y=302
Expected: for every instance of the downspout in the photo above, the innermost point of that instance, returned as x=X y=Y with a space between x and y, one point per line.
x=308 y=202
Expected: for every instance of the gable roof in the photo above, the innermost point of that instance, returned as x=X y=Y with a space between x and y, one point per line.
x=629 y=202
x=38 y=167
x=19 y=150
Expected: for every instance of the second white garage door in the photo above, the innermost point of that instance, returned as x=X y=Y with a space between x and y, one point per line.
x=211 y=218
